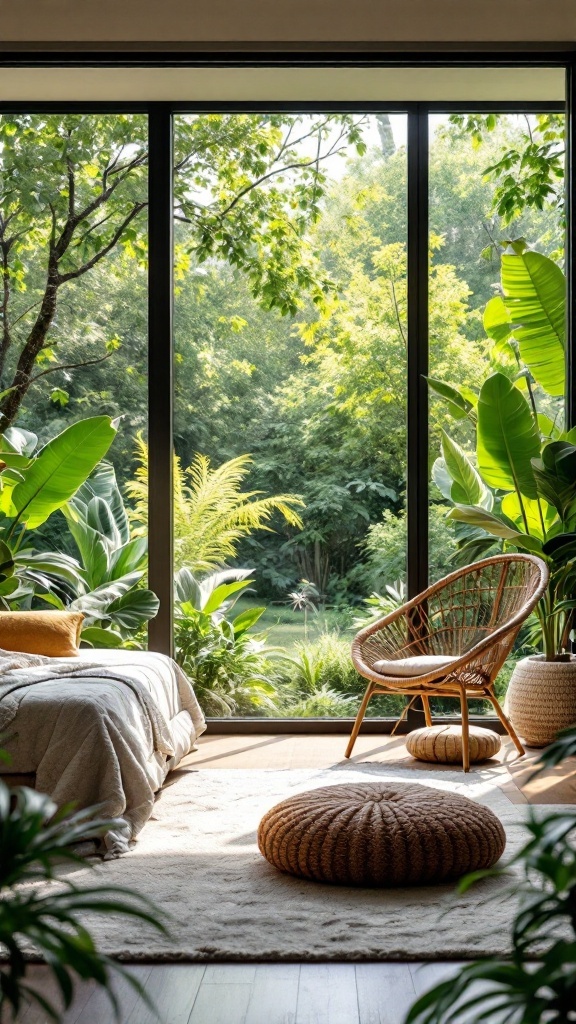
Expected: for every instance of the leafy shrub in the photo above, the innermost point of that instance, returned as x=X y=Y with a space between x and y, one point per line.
x=386 y=543
x=325 y=661
x=323 y=702
x=377 y=606
x=322 y=682
x=231 y=667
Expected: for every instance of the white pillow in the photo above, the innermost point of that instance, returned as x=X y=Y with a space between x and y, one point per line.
x=420 y=665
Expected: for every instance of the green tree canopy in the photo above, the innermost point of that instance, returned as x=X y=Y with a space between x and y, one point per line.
x=74 y=187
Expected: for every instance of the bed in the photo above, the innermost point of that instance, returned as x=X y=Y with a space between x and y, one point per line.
x=103 y=728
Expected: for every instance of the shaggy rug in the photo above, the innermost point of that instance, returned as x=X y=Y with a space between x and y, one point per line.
x=198 y=858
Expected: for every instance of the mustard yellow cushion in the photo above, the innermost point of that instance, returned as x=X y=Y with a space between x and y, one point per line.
x=55 y=634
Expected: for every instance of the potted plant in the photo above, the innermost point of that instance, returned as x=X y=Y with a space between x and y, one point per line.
x=518 y=488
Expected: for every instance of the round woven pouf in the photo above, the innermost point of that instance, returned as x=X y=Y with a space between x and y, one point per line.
x=378 y=834
x=443 y=744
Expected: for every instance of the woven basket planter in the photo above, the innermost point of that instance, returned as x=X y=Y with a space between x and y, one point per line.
x=541 y=699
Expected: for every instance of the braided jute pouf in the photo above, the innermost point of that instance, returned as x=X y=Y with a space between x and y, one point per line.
x=380 y=834
x=443 y=744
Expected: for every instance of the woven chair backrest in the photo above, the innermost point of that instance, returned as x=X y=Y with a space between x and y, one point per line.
x=465 y=610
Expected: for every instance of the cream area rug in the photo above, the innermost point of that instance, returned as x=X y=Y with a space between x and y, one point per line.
x=198 y=859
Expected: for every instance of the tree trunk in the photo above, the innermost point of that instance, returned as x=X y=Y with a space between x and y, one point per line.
x=22 y=377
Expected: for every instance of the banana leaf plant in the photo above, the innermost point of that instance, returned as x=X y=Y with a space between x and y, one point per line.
x=33 y=485
x=518 y=487
x=68 y=475
x=112 y=562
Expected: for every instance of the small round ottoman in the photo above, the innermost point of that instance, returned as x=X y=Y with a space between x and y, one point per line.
x=380 y=834
x=443 y=744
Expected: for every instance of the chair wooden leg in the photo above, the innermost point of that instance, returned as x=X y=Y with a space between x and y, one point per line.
x=505 y=722
x=359 y=719
x=465 y=732
x=427 y=713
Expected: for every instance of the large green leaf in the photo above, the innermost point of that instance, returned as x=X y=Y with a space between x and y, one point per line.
x=497 y=527
x=59 y=470
x=95 y=604
x=507 y=437
x=129 y=557
x=187 y=589
x=461 y=400
x=537 y=513
x=133 y=609
x=555 y=474
x=96 y=636
x=442 y=478
x=93 y=548
x=17 y=439
x=496 y=319
x=51 y=563
x=102 y=484
x=475 y=516
x=535 y=297
x=222 y=593
x=246 y=619
x=468 y=487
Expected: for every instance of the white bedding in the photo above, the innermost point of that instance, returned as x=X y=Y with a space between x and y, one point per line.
x=108 y=736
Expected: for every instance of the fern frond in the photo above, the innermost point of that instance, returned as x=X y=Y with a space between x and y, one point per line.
x=211 y=512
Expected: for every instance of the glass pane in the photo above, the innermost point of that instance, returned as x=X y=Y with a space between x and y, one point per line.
x=73 y=197
x=290 y=394
x=496 y=193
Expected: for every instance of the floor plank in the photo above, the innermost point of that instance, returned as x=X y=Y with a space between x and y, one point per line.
x=98 y=1010
x=173 y=989
x=274 y=995
x=327 y=994
x=425 y=976
x=385 y=992
x=228 y=974
x=221 y=1003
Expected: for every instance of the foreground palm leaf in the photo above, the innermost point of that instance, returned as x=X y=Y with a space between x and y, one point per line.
x=34 y=838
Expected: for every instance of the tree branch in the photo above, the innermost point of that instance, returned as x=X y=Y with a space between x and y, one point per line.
x=271 y=174
x=396 y=310
x=73 y=274
x=70 y=366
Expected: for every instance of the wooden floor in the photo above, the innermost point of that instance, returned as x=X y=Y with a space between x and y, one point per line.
x=292 y=993
x=256 y=994
x=553 y=786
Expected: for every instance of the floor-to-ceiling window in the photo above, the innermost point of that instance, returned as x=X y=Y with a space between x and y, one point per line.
x=327 y=253
x=496 y=222
x=289 y=401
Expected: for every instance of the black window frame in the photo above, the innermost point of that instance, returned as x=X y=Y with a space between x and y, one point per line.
x=160 y=282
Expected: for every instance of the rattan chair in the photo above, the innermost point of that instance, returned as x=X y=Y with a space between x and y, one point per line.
x=467 y=622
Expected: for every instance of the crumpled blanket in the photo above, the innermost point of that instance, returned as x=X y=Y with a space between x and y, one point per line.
x=101 y=729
